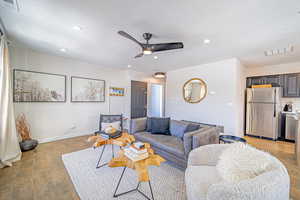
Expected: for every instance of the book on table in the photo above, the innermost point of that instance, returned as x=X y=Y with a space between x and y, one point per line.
x=138 y=145
x=137 y=151
x=135 y=156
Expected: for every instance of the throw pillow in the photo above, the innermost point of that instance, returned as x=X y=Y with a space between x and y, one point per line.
x=160 y=125
x=178 y=128
x=116 y=125
x=240 y=161
x=148 y=124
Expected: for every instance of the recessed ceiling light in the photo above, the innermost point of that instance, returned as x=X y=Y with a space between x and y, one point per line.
x=77 y=28
x=128 y=66
x=206 y=41
x=155 y=57
x=63 y=50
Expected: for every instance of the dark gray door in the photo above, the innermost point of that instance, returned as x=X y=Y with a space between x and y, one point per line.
x=138 y=99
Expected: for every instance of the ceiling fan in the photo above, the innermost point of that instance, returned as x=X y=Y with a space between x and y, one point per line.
x=151 y=48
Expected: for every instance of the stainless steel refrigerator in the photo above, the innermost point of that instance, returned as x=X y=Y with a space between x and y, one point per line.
x=263 y=112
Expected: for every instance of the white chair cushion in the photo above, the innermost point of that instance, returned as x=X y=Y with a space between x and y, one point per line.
x=116 y=125
x=273 y=185
x=240 y=161
x=198 y=179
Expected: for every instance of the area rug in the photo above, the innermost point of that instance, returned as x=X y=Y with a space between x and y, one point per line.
x=97 y=184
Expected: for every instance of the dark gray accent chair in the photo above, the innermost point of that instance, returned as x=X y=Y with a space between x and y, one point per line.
x=110 y=119
x=173 y=148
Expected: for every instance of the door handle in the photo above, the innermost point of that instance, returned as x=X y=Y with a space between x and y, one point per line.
x=275 y=103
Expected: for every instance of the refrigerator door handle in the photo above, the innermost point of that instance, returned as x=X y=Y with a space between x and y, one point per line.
x=251 y=113
x=275 y=102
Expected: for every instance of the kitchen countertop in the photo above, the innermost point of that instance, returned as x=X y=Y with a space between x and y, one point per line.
x=296 y=115
x=287 y=112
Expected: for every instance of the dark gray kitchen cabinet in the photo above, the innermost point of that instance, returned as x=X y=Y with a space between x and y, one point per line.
x=256 y=81
x=291 y=85
x=274 y=80
x=261 y=80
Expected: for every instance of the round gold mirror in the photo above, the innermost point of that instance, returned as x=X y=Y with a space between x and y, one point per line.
x=194 y=90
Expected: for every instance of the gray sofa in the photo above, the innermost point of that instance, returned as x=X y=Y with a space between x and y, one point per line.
x=173 y=148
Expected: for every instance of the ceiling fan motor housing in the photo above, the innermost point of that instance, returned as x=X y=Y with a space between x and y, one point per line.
x=147 y=36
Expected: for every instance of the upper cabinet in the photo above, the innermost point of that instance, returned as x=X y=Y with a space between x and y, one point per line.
x=261 y=80
x=290 y=83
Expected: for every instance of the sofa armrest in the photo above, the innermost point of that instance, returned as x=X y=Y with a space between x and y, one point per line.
x=207 y=136
x=206 y=155
x=188 y=139
x=137 y=125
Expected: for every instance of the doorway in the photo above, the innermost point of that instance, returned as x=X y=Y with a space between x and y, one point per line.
x=156 y=107
x=138 y=99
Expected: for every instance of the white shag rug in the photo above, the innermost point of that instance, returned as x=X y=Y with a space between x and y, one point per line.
x=96 y=184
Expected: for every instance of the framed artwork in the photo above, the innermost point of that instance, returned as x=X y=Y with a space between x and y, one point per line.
x=30 y=86
x=114 y=91
x=87 y=90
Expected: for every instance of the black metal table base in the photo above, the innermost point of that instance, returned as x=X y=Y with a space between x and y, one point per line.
x=103 y=148
x=133 y=190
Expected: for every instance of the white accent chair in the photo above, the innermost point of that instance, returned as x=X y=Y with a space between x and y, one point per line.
x=204 y=183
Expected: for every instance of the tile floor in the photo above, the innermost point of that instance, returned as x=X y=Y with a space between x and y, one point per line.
x=41 y=175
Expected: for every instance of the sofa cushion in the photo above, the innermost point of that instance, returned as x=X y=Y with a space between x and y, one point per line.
x=178 y=128
x=137 y=125
x=198 y=179
x=240 y=161
x=116 y=125
x=192 y=127
x=160 y=125
x=167 y=143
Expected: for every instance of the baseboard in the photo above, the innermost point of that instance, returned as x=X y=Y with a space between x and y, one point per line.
x=61 y=137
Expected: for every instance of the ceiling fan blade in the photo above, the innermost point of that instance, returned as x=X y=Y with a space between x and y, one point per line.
x=139 y=55
x=124 y=34
x=166 y=46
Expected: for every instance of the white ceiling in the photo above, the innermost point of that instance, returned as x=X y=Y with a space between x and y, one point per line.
x=236 y=28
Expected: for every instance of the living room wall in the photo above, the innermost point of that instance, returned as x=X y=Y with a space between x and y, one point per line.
x=224 y=103
x=52 y=121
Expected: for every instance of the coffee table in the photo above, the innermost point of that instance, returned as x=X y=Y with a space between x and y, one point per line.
x=121 y=141
x=141 y=167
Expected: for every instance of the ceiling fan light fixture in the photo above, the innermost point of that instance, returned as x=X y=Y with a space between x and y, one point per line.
x=147 y=52
x=159 y=75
